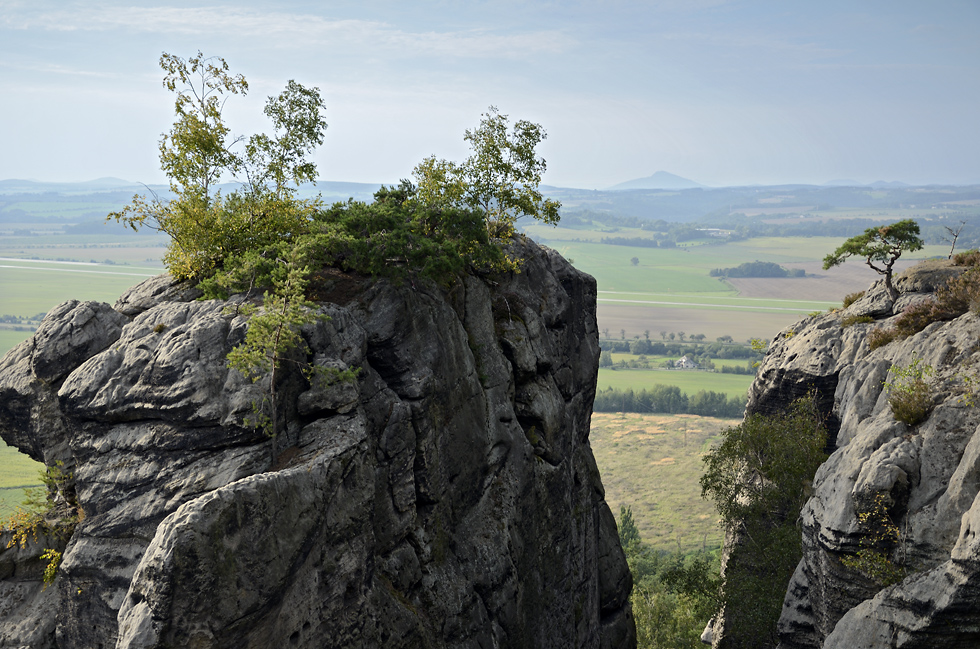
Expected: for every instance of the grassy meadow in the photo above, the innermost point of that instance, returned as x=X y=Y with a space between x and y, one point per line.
x=689 y=381
x=652 y=463
x=17 y=471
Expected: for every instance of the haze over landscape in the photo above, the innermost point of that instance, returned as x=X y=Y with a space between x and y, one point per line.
x=721 y=93
x=715 y=160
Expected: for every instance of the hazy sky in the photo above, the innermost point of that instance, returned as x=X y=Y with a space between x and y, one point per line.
x=719 y=92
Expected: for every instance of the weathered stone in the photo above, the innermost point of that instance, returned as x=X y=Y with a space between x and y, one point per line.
x=444 y=497
x=927 y=476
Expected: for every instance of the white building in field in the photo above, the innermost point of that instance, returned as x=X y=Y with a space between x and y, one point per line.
x=685 y=363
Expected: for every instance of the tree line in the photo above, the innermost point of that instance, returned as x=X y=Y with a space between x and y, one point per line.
x=757 y=269
x=669 y=399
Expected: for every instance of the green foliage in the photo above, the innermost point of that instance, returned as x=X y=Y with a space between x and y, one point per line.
x=757 y=269
x=629 y=535
x=398 y=237
x=881 y=537
x=851 y=320
x=195 y=154
x=500 y=177
x=908 y=393
x=760 y=346
x=273 y=332
x=674 y=595
x=759 y=478
x=668 y=399
x=851 y=298
x=262 y=238
x=208 y=231
x=881 y=247
x=48 y=513
x=53 y=558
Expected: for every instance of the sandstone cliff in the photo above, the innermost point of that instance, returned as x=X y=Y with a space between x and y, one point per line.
x=926 y=477
x=446 y=498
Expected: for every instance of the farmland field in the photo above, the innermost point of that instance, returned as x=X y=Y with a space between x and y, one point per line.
x=16 y=469
x=31 y=287
x=652 y=463
x=17 y=472
x=670 y=289
x=689 y=381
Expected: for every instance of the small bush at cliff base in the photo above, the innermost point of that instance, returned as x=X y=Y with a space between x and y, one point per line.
x=48 y=514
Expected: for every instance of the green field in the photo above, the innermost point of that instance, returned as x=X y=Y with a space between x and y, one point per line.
x=656 y=360
x=29 y=288
x=10 y=338
x=16 y=469
x=689 y=381
x=652 y=463
x=17 y=472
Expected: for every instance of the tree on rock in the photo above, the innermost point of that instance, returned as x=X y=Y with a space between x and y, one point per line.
x=500 y=178
x=881 y=247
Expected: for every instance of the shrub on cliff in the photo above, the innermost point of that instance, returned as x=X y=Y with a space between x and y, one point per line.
x=956 y=297
x=674 y=595
x=459 y=216
x=262 y=238
x=759 y=479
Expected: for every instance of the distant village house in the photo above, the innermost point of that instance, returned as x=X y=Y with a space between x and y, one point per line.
x=685 y=363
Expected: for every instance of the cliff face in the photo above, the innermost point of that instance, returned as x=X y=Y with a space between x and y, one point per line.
x=447 y=497
x=926 y=477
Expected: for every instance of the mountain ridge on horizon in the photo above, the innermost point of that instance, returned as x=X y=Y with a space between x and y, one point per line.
x=661 y=180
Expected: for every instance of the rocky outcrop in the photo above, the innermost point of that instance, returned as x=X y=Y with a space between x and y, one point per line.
x=445 y=497
x=926 y=477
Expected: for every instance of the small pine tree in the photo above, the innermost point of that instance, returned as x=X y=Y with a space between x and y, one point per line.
x=629 y=535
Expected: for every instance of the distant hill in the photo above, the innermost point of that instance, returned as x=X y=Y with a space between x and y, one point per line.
x=659 y=180
x=878 y=184
x=18 y=186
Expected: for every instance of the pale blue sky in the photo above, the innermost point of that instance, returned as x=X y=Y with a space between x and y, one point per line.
x=716 y=91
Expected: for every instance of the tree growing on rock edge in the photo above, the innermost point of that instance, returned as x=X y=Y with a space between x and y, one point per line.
x=881 y=247
x=500 y=177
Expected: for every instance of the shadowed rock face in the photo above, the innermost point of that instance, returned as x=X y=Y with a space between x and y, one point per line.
x=928 y=476
x=446 y=498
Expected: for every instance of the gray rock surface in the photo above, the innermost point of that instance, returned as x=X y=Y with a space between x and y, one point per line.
x=447 y=497
x=927 y=475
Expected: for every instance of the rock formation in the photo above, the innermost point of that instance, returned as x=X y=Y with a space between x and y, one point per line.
x=926 y=478
x=446 y=497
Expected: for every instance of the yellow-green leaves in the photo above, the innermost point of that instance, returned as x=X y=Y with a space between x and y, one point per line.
x=500 y=178
x=207 y=228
